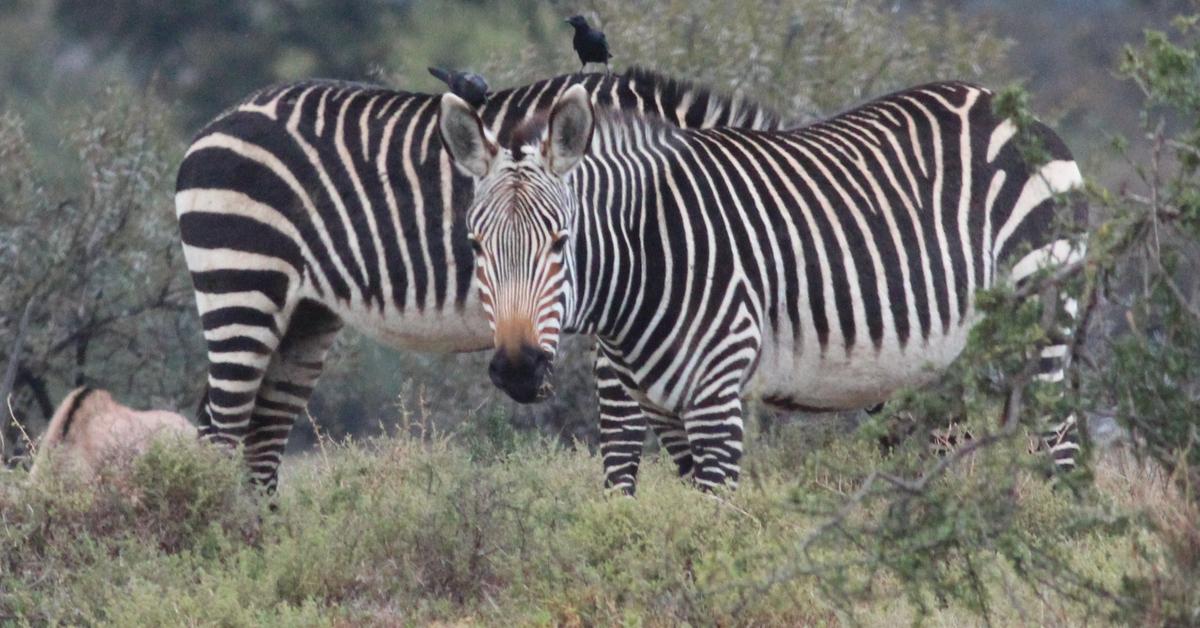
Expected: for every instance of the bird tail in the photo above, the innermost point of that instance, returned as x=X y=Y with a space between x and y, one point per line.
x=440 y=74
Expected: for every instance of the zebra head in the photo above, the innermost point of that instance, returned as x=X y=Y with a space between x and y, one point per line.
x=519 y=225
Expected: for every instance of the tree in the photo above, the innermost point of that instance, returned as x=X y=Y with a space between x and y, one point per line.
x=96 y=260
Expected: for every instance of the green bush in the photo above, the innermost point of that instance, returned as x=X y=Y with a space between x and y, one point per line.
x=404 y=530
x=65 y=538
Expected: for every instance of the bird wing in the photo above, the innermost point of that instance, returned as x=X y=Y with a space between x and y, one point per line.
x=604 y=43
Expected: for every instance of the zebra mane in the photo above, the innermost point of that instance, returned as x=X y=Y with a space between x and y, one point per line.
x=529 y=130
x=619 y=120
x=614 y=128
x=732 y=110
x=617 y=129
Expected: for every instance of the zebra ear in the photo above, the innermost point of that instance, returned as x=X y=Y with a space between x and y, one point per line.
x=572 y=122
x=464 y=137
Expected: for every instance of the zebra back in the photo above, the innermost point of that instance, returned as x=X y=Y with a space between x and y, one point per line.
x=370 y=206
x=899 y=209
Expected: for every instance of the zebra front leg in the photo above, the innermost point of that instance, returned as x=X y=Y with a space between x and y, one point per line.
x=715 y=432
x=622 y=428
x=713 y=418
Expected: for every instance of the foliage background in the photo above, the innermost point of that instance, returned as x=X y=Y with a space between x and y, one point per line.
x=127 y=82
x=64 y=64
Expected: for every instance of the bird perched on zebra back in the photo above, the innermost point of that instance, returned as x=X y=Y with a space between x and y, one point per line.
x=589 y=43
x=466 y=85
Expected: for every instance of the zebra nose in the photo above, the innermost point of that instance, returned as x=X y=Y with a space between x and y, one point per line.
x=521 y=374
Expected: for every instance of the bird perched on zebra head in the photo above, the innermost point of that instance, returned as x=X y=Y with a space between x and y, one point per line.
x=466 y=85
x=590 y=44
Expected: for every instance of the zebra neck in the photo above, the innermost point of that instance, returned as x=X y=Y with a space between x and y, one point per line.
x=621 y=258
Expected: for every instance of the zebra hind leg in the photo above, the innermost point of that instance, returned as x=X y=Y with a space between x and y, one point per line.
x=241 y=343
x=286 y=388
x=1060 y=439
x=204 y=426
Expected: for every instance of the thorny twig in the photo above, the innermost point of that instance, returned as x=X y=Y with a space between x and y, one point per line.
x=13 y=417
x=1176 y=291
x=321 y=436
x=1064 y=272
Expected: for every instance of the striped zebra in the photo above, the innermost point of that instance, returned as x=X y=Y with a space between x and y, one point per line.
x=315 y=204
x=820 y=268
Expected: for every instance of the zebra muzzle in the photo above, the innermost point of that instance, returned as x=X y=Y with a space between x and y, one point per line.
x=524 y=374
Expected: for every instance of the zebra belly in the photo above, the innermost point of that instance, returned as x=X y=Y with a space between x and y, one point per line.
x=450 y=329
x=835 y=379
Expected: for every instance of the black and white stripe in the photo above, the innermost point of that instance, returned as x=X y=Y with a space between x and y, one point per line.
x=317 y=204
x=819 y=268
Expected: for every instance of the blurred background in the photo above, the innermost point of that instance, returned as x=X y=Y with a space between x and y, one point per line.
x=98 y=100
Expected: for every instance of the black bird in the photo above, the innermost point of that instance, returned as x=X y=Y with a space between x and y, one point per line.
x=589 y=43
x=466 y=85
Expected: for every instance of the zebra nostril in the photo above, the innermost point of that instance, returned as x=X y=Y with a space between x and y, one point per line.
x=496 y=369
x=542 y=364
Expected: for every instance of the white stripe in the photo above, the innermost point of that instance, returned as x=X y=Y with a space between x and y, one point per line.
x=1054 y=351
x=201 y=260
x=238 y=330
x=343 y=152
x=389 y=195
x=270 y=109
x=938 y=226
x=1000 y=136
x=989 y=259
x=418 y=203
x=314 y=159
x=1058 y=253
x=1055 y=177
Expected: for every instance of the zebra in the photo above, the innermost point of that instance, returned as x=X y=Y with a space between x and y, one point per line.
x=819 y=268
x=315 y=204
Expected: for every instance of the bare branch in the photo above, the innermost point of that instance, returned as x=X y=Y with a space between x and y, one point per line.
x=32 y=444
x=14 y=352
x=1060 y=275
x=1178 y=293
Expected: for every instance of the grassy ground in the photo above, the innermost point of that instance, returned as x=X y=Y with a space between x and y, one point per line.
x=485 y=528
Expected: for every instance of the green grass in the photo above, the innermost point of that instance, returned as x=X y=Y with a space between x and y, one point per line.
x=400 y=530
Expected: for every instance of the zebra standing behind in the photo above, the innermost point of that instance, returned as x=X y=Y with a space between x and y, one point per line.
x=320 y=203
x=820 y=268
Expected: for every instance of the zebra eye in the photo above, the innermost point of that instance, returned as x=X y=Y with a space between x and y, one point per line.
x=475 y=246
x=559 y=245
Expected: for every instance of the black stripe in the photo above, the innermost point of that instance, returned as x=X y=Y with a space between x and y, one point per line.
x=238 y=343
x=230 y=231
x=238 y=315
x=271 y=283
x=233 y=371
x=73 y=408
